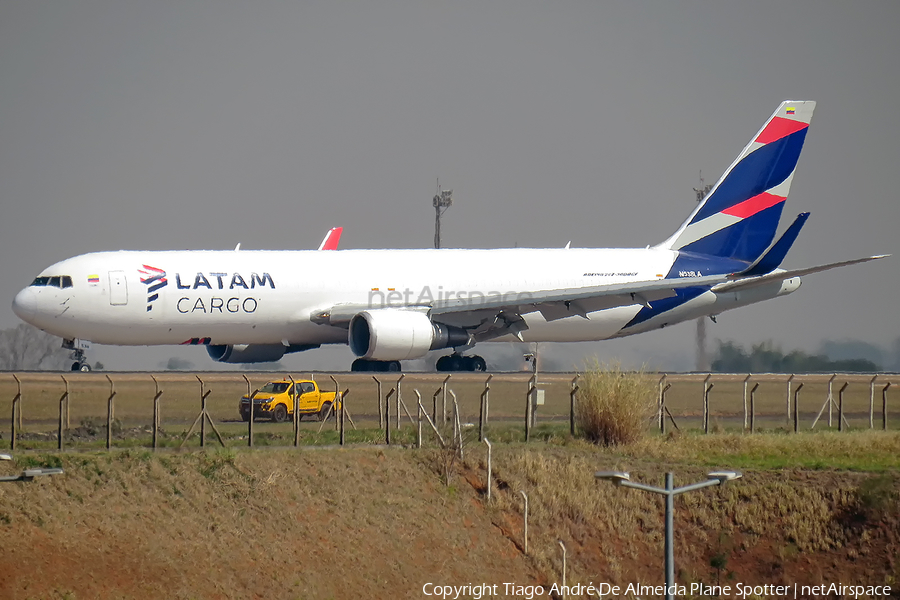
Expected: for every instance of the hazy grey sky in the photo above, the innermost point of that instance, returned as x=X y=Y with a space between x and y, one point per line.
x=160 y=125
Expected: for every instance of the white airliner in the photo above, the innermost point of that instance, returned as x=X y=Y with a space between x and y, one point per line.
x=394 y=305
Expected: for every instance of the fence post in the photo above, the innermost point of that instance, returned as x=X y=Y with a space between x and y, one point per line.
x=563 y=546
x=841 y=406
x=528 y=407
x=156 y=412
x=387 y=416
x=483 y=413
x=444 y=394
x=457 y=424
x=63 y=409
x=830 y=399
x=572 y=394
x=378 y=402
x=334 y=409
x=660 y=401
x=753 y=407
x=746 y=384
x=663 y=410
x=488 y=469
x=787 y=399
x=418 y=419
x=295 y=413
x=872 y=403
x=16 y=412
x=202 y=413
x=706 y=388
x=704 y=419
x=525 y=515
x=797 y=408
x=250 y=421
x=884 y=406
x=399 y=379
x=339 y=399
x=110 y=411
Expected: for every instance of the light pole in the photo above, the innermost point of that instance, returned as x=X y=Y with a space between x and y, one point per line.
x=29 y=474
x=441 y=202
x=620 y=478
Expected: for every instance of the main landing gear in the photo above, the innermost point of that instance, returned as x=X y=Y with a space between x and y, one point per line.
x=458 y=362
x=364 y=364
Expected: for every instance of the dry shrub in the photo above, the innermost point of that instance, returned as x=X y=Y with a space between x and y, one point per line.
x=614 y=406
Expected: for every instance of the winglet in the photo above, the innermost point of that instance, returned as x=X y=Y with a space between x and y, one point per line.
x=331 y=239
x=771 y=260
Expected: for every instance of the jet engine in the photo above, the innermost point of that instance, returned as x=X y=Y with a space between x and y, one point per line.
x=246 y=353
x=396 y=334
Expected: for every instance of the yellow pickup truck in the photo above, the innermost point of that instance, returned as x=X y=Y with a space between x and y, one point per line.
x=275 y=400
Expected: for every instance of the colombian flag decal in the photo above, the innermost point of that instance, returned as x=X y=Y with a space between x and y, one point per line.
x=789 y=110
x=93 y=279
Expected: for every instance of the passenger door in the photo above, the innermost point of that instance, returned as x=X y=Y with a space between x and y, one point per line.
x=118 y=288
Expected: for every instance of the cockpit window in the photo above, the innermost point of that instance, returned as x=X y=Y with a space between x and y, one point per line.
x=59 y=281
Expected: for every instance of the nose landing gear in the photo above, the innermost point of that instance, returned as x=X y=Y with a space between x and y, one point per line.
x=78 y=355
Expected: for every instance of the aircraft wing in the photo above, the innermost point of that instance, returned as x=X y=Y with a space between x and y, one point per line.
x=495 y=315
x=491 y=315
x=779 y=275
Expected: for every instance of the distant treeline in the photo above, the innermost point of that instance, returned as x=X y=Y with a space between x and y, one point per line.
x=768 y=358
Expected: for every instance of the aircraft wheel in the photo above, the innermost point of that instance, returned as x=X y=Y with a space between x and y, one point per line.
x=441 y=364
x=392 y=366
x=76 y=366
x=476 y=363
x=360 y=364
x=85 y=368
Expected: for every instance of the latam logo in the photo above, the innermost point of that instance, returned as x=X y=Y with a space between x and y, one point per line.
x=155 y=280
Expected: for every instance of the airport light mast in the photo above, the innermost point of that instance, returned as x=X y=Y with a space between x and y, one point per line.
x=441 y=201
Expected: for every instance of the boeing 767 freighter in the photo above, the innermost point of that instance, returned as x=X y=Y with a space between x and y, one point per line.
x=394 y=305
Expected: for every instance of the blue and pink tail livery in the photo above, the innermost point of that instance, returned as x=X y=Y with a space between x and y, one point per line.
x=739 y=217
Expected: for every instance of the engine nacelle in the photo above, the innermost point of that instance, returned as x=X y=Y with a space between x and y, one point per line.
x=396 y=334
x=246 y=353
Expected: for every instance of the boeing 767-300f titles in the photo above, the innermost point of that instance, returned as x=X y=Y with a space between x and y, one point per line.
x=395 y=305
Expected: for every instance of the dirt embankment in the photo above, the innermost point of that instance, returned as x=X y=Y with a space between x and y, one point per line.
x=382 y=523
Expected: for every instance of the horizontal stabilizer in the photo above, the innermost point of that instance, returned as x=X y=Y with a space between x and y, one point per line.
x=751 y=282
x=771 y=260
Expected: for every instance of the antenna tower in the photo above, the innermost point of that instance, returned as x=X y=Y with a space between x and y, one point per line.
x=441 y=202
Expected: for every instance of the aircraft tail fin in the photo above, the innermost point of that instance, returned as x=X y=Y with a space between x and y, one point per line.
x=332 y=238
x=739 y=217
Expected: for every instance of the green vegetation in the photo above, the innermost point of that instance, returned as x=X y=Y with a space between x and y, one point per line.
x=766 y=357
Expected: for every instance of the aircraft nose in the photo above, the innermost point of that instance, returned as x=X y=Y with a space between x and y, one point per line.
x=25 y=304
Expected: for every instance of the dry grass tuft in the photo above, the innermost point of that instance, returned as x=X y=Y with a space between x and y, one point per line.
x=614 y=406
